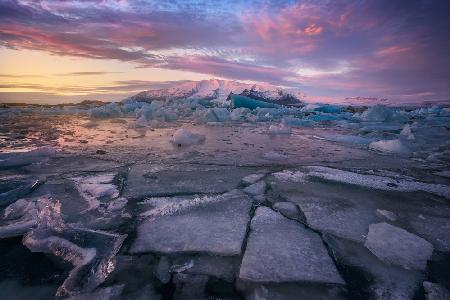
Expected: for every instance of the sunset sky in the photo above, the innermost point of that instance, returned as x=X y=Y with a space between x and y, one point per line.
x=60 y=51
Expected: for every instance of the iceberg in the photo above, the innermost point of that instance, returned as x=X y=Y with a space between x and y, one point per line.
x=246 y=102
x=111 y=110
x=381 y=113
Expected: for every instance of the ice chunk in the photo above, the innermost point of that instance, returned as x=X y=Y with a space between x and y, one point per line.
x=17 y=228
x=250 y=103
x=296 y=122
x=25 y=215
x=18 y=159
x=216 y=227
x=407 y=132
x=90 y=252
x=397 y=246
x=256 y=189
x=389 y=146
x=378 y=182
x=287 y=209
x=381 y=113
x=310 y=107
x=294 y=254
x=150 y=111
x=337 y=215
x=16 y=210
x=252 y=178
x=90 y=124
x=375 y=279
x=279 y=129
x=239 y=114
x=184 y=137
x=209 y=115
x=15 y=187
x=110 y=110
x=96 y=187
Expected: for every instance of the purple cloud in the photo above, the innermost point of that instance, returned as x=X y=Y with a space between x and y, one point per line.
x=388 y=47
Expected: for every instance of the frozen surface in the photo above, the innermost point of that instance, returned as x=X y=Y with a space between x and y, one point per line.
x=180 y=173
x=398 y=246
x=217 y=227
x=301 y=257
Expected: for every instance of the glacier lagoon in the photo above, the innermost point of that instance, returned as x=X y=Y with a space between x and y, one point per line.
x=188 y=199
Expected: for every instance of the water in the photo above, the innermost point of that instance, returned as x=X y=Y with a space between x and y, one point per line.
x=122 y=211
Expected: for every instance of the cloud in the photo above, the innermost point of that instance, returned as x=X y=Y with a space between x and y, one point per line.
x=87 y=73
x=124 y=87
x=388 y=46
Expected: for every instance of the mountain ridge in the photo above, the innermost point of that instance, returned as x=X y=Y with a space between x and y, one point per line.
x=218 y=91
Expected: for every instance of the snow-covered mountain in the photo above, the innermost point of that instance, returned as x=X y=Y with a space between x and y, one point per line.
x=219 y=90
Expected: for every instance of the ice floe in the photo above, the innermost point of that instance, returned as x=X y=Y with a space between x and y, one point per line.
x=216 y=227
x=397 y=246
x=378 y=182
x=300 y=258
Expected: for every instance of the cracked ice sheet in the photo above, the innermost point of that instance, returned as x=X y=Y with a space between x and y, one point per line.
x=347 y=210
x=216 y=226
x=378 y=182
x=294 y=253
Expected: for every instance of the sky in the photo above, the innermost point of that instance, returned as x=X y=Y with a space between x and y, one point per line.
x=66 y=50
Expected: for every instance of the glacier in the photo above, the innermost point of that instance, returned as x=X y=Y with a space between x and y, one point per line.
x=184 y=193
